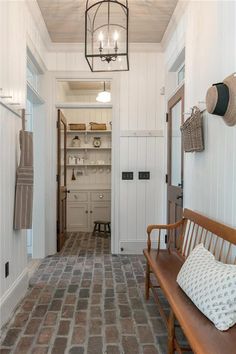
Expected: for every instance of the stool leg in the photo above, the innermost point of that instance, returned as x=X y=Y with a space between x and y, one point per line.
x=99 y=227
x=94 y=229
x=105 y=230
x=109 y=228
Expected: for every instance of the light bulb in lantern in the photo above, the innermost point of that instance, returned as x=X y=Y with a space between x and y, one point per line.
x=115 y=36
x=100 y=38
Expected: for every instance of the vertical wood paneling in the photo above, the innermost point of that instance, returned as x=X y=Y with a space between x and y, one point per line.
x=210 y=175
x=13 y=244
x=15 y=24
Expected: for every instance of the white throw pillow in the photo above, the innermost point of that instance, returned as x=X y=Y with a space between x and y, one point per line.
x=211 y=285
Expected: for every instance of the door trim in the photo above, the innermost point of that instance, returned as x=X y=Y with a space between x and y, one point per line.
x=61 y=237
x=178 y=96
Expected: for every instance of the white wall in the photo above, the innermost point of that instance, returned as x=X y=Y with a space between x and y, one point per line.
x=137 y=107
x=209 y=36
x=210 y=184
x=17 y=29
x=141 y=108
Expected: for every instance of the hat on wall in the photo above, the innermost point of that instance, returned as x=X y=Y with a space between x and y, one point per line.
x=221 y=99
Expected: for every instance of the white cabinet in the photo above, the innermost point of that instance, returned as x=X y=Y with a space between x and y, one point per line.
x=85 y=207
x=77 y=216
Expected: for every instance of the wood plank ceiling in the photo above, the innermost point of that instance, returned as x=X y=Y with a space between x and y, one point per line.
x=65 y=19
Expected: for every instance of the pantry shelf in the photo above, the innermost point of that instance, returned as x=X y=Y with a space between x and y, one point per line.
x=87 y=148
x=88 y=131
x=89 y=165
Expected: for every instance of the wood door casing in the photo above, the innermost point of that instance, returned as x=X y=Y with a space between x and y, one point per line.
x=174 y=192
x=61 y=180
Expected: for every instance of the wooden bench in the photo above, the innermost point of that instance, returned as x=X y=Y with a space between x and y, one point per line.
x=202 y=335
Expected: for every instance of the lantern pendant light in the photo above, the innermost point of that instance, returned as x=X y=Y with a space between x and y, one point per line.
x=104 y=96
x=106 y=35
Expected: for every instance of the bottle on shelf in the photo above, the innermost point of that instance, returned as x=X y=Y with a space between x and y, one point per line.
x=76 y=141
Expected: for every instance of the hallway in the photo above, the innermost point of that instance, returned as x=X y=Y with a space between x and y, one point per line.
x=84 y=300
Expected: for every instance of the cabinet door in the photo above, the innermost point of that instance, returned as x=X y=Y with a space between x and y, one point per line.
x=100 y=212
x=77 y=217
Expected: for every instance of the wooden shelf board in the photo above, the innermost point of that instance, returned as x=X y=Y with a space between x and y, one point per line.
x=87 y=148
x=88 y=131
x=90 y=165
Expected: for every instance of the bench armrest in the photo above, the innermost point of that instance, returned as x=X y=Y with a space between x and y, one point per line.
x=150 y=228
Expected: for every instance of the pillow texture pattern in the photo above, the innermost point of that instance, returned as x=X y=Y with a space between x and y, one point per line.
x=211 y=285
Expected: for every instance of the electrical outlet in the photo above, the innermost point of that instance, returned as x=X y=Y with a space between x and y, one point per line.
x=6 y=269
x=127 y=175
x=144 y=175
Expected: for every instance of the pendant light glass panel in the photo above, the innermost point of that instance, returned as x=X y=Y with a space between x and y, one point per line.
x=106 y=35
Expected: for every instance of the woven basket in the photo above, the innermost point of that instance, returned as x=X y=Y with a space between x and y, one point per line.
x=192 y=132
x=77 y=126
x=98 y=126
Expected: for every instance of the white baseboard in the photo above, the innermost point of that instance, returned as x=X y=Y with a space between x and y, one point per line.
x=134 y=247
x=13 y=296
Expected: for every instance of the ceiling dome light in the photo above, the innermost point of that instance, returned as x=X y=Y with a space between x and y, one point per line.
x=104 y=96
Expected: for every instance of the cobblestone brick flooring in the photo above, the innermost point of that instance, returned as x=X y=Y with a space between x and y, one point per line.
x=84 y=300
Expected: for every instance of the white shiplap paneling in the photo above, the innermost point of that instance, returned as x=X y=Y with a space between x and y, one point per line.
x=208 y=32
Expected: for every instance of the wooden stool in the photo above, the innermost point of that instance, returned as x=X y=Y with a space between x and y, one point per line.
x=106 y=227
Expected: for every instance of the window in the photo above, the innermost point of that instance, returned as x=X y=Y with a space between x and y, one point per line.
x=32 y=74
x=181 y=74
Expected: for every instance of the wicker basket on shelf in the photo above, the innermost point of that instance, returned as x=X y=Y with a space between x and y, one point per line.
x=192 y=132
x=77 y=126
x=98 y=126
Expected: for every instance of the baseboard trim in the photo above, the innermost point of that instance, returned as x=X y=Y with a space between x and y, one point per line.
x=13 y=296
x=134 y=247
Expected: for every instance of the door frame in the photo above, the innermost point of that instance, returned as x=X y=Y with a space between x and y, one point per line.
x=114 y=77
x=177 y=97
x=60 y=190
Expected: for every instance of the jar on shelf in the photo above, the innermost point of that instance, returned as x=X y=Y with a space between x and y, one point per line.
x=97 y=141
x=76 y=141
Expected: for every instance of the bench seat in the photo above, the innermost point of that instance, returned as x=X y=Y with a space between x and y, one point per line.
x=202 y=335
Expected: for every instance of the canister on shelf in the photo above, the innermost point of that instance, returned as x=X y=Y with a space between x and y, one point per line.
x=76 y=141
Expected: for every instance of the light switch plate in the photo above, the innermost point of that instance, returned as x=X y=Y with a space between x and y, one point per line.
x=144 y=175
x=127 y=176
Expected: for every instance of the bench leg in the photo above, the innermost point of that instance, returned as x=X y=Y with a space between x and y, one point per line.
x=171 y=333
x=147 y=281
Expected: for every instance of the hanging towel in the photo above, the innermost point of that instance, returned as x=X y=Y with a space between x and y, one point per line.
x=24 y=184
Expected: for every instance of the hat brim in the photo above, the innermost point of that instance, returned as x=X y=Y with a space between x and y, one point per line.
x=230 y=114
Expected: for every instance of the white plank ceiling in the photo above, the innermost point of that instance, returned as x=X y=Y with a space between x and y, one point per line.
x=65 y=19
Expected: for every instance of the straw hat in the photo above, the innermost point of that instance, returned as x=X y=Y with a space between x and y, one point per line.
x=221 y=100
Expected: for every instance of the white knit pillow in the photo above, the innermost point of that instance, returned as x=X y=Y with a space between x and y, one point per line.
x=211 y=285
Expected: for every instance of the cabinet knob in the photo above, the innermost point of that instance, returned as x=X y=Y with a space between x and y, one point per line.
x=101 y=196
x=86 y=212
x=91 y=211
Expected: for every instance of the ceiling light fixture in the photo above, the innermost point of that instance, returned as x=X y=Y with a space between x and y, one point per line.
x=104 y=96
x=106 y=35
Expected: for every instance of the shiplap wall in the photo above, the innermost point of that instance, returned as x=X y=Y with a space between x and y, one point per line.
x=140 y=108
x=210 y=183
x=210 y=56
x=16 y=28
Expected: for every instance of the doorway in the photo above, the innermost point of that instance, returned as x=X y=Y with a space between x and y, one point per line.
x=87 y=155
x=175 y=157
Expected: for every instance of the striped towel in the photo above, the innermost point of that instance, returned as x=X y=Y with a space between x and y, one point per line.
x=24 y=184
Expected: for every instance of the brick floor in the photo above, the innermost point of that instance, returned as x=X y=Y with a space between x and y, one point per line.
x=84 y=300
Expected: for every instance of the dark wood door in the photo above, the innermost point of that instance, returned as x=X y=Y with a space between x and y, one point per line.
x=175 y=157
x=61 y=180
